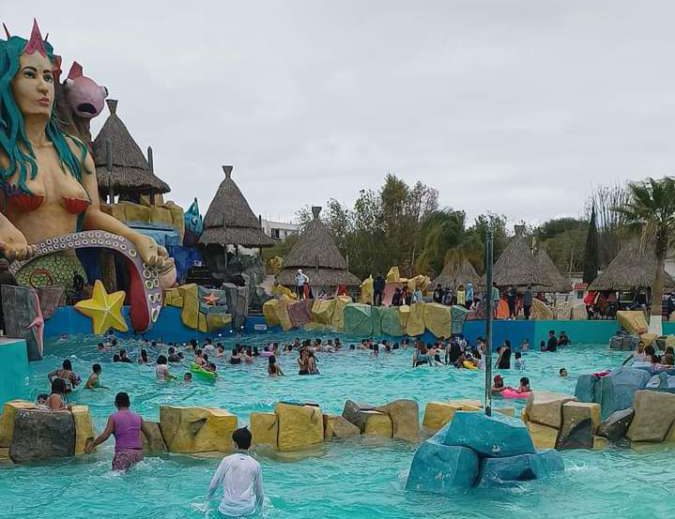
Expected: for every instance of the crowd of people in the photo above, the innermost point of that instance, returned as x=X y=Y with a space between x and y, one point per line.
x=464 y=294
x=238 y=475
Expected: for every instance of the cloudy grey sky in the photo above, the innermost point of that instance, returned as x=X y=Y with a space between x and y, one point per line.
x=518 y=107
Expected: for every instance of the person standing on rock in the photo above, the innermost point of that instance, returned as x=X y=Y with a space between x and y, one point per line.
x=126 y=426
x=240 y=477
x=300 y=280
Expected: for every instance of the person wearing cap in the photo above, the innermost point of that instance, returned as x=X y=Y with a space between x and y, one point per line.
x=498 y=385
x=300 y=280
x=241 y=478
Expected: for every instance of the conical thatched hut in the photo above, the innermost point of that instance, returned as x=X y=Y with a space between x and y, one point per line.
x=121 y=167
x=317 y=255
x=547 y=268
x=633 y=267
x=230 y=220
x=517 y=266
x=457 y=273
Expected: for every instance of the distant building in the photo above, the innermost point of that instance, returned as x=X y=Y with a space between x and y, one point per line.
x=279 y=230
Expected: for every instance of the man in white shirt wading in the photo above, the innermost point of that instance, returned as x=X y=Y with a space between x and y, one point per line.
x=241 y=478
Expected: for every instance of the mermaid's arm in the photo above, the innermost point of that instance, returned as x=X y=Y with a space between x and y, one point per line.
x=96 y=219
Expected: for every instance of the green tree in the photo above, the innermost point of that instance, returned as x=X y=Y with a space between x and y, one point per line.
x=474 y=243
x=280 y=248
x=652 y=205
x=591 y=251
x=439 y=232
x=563 y=239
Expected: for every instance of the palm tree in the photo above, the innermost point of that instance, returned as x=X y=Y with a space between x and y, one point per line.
x=652 y=205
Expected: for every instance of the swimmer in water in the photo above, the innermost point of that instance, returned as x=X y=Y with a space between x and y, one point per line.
x=562 y=372
x=240 y=478
x=162 y=369
x=524 y=385
x=94 y=380
x=273 y=369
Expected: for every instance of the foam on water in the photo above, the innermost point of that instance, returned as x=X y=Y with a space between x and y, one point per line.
x=355 y=479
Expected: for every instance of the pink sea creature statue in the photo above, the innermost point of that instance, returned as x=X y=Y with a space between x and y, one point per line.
x=85 y=96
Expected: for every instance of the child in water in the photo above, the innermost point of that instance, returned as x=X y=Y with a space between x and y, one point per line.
x=524 y=385
x=498 y=385
x=520 y=362
x=162 y=369
x=187 y=378
x=94 y=380
x=562 y=372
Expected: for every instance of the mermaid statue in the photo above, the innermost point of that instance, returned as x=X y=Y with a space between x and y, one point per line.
x=48 y=178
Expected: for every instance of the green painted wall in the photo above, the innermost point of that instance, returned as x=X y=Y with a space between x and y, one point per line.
x=13 y=369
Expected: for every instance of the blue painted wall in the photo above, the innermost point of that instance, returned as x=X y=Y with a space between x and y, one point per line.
x=579 y=332
x=13 y=370
x=168 y=327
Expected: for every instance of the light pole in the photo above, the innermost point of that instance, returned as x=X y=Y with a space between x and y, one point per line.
x=488 y=323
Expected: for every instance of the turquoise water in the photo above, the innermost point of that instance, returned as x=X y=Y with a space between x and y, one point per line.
x=360 y=478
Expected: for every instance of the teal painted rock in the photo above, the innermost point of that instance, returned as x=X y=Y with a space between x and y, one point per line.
x=459 y=314
x=585 y=390
x=358 y=319
x=376 y=316
x=619 y=387
x=390 y=321
x=442 y=469
x=495 y=472
x=496 y=436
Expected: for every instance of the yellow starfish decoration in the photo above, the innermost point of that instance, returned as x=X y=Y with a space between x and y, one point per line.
x=104 y=309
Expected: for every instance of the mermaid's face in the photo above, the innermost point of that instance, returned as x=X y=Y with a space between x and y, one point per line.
x=33 y=85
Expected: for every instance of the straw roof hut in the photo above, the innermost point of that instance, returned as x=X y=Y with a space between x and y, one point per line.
x=556 y=280
x=230 y=220
x=316 y=253
x=518 y=267
x=121 y=167
x=457 y=273
x=633 y=267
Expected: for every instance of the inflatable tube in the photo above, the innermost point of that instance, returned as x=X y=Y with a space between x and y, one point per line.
x=202 y=373
x=469 y=365
x=512 y=393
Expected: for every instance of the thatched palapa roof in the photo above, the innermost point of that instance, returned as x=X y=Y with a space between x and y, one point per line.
x=633 y=267
x=457 y=273
x=230 y=220
x=120 y=163
x=518 y=267
x=547 y=268
x=316 y=253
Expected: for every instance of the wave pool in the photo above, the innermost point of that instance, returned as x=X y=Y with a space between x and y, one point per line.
x=360 y=478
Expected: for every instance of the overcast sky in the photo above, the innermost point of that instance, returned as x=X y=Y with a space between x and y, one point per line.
x=517 y=107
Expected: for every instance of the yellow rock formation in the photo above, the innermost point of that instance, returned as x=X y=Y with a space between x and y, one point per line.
x=197 y=429
x=84 y=427
x=300 y=426
x=543 y=437
x=264 y=428
x=7 y=419
x=438 y=319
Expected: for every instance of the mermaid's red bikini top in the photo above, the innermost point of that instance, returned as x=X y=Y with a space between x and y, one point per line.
x=26 y=202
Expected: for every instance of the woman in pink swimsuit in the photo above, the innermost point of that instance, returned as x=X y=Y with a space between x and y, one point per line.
x=126 y=426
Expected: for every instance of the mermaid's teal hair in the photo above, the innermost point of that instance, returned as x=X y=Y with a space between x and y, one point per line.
x=13 y=140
